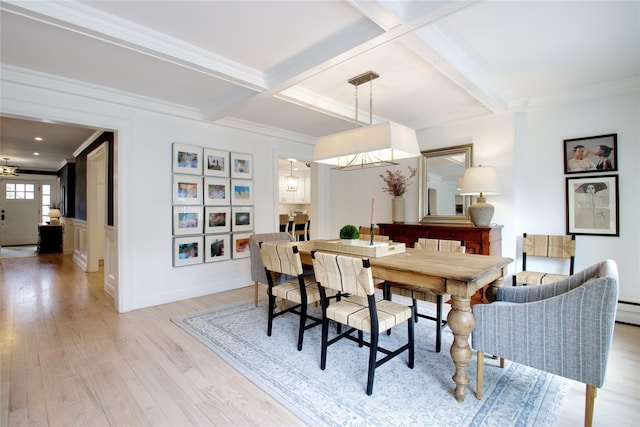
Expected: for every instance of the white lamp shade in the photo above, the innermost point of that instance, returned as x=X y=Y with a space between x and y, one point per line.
x=480 y=180
x=387 y=141
x=54 y=213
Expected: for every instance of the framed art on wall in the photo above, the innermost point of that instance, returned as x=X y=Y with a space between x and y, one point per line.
x=187 y=250
x=187 y=220
x=217 y=220
x=592 y=205
x=242 y=219
x=241 y=166
x=187 y=159
x=591 y=154
x=241 y=248
x=241 y=192
x=216 y=192
x=217 y=247
x=216 y=162
x=187 y=190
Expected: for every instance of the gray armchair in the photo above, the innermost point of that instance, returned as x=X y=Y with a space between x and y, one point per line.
x=258 y=274
x=564 y=328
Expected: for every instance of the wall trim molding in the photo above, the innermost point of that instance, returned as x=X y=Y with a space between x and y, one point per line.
x=628 y=313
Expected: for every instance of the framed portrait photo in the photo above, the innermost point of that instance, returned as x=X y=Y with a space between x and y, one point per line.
x=592 y=154
x=217 y=219
x=242 y=219
x=241 y=166
x=217 y=192
x=187 y=250
x=217 y=247
x=187 y=220
x=187 y=190
x=592 y=205
x=216 y=163
x=241 y=192
x=187 y=159
x=241 y=248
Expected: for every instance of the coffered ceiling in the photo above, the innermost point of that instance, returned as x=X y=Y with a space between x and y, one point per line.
x=285 y=64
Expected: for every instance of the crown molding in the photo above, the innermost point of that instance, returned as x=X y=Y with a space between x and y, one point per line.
x=266 y=131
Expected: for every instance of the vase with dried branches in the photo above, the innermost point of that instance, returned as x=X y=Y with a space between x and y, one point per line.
x=396 y=185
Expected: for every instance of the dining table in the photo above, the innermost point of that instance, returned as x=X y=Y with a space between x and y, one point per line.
x=457 y=274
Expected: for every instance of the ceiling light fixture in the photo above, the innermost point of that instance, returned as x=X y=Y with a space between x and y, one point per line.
x=369 y=146
x=292 y=181
x=6 y=170
x=37 y=138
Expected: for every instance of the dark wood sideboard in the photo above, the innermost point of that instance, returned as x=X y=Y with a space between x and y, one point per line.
x=478 y=240
x=49 y=238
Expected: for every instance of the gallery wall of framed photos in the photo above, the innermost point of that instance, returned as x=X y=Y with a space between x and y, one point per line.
x=592 y=202
x=212 y=204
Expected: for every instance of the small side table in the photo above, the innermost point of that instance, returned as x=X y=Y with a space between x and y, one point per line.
x=50 y=239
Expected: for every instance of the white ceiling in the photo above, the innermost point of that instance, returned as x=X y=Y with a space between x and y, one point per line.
x=285 y=64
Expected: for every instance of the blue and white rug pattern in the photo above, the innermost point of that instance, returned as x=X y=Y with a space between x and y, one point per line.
x=514 y=396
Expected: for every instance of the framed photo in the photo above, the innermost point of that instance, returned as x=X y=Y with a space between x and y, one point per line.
x=187 y=250
x=187 y=190
x=216 y=163
x=217 y=248
x=217 y=220
x=241 y=192
x=592 y=205
x=187 y=220
x=241 y=166
x=241 y=248
x=216 y=192
x=242 y=219
x=591 y=154
x=187 y=159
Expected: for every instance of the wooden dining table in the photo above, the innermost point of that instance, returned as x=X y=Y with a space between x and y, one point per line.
x=456 y=274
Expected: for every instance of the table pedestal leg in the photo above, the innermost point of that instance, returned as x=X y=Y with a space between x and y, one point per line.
x=461 y=322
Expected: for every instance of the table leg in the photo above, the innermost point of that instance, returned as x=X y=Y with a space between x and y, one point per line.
x=461 y=322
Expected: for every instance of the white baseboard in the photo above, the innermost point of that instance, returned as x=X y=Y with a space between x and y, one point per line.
x=628 y=313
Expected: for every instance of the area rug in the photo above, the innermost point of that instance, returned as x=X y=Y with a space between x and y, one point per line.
x=423 y=396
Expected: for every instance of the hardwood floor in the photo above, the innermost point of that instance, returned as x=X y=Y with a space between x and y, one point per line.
x=67 y=358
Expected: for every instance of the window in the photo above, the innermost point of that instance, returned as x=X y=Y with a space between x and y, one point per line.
x=46 y=202
x=20 y=191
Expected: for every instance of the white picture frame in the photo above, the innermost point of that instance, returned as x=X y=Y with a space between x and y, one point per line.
x=217 y=219
x=241 y=192
x=217 y=191
x=241 y=247
x=187 y=159
x=242 y=218
x=187 y=250
x=217 y=247
x=187 y=189
x=216 y=163
x=187 y=220
x=241 y=166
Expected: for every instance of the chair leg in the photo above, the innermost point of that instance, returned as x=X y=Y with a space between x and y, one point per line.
x=255 y=293
x=502 y=362
x=415 y=311
x=439 y=307
x=410 y=332
x=480 y=373
x=360 y=338
x=373 y=353
x=325 y=338
x=303 y=322
x=592 y=393
x=272 y=307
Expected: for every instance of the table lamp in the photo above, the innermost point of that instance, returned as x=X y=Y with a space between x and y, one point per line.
x=54 y=215
x=480 y=181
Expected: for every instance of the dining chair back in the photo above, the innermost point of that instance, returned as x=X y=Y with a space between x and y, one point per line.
x=417 y=293
x=545 y=246
x=286 y=280
x=301 y=227
x=257 y=267
x=284 y=222
x=356 y=307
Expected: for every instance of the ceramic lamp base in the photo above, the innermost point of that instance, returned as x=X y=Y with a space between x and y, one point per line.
x=481 y=214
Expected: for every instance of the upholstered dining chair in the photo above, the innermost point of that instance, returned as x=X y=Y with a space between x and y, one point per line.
x=286 y=279
x=356 y=307
x=421 y=294
x=257 y=267
x=564 y=328
x=545 y=246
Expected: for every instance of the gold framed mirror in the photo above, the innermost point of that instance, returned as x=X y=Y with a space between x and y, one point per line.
x=441 y=172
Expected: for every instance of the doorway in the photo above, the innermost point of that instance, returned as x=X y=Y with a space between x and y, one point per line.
x=96 y=207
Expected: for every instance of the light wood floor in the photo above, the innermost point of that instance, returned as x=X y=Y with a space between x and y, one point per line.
x=67 y=358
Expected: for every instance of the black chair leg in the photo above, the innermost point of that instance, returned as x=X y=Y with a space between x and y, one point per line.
x=272 y=307
x=360 y=338
x=373 y=353
x=415 y=310
x=303 y=322
x=325 y=338
x=410 y=333
x=439 y=306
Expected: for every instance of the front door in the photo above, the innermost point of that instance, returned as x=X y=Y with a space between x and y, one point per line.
x=19 y=212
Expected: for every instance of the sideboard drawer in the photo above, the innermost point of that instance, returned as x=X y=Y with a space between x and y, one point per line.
x=453 y=234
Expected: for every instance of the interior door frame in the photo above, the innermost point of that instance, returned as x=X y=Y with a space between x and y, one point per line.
x=96 y=196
